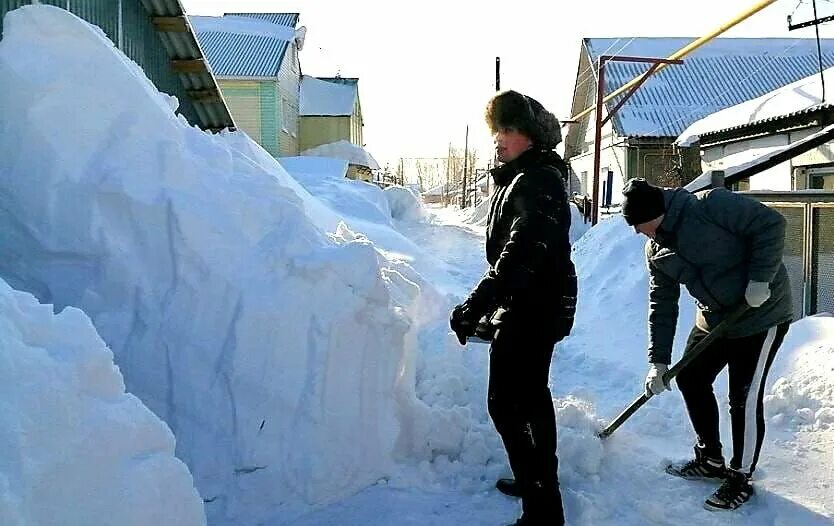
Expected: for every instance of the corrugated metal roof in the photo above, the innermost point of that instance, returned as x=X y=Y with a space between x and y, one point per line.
x=237 y=55
x=724 y=72
x=240 y=46
x=282 y=19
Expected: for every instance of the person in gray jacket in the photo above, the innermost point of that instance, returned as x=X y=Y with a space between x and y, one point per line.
x=727 y=250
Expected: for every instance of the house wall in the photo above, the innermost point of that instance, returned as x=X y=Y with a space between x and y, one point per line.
x=289 y=89
x=789 y=175
x=356 y=124
x=611 y=158
x=318 y=130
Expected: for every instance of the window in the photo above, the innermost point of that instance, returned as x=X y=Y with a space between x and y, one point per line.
x=822 y=181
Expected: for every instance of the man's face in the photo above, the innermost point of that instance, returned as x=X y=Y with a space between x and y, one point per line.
x=510 y=143
x=649 y=229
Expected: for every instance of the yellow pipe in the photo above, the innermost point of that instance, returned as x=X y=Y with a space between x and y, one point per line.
x=687 y=49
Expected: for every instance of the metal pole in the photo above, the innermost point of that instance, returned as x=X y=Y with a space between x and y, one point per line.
x=819 y=51
x=598 y=139
x=497 y=73
x=465 y=197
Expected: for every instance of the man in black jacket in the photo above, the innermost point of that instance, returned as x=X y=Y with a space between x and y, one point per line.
x=527 y=298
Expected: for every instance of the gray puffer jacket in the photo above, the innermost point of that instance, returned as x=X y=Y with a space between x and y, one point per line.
x=715 y=242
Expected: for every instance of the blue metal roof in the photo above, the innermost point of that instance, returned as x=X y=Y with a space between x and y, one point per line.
x=243 y=46
x=722 y=73
x=234 y=55
x=282 y=19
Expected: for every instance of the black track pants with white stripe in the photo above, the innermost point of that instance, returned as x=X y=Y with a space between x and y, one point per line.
x=748 y=360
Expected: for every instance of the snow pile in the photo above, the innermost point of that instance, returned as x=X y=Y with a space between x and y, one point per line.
x=477 y=215
x=578 y=226
x=803 y=391
x=801 y=95
x=76 y=448
x=324 y=178
x=344 y=150
x=405 y=204
x=322 y=98
x=276 y=353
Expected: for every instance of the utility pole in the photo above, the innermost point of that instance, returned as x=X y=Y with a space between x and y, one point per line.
x=816 y=22
x=448 y=168
x=464 y=197
x=497 y=89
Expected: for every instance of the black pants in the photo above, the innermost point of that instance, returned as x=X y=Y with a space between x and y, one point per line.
x=749 y=360
x=521 y=407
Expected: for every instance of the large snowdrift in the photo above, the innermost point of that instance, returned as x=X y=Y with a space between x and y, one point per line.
x=273 y=350
x=77 y=450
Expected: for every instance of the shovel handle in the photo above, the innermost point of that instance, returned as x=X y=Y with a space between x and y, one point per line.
x=687 y=358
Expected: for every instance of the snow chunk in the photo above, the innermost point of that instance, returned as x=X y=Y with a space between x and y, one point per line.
x=76 y=448
x=404 y=203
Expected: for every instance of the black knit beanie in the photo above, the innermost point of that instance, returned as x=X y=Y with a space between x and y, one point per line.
x=643 y=202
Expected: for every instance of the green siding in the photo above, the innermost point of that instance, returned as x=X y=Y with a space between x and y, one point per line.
x=244 y=101
x=103 y=13
x=269 y=117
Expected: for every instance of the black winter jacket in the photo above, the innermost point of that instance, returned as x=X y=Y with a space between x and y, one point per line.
x=531 y=276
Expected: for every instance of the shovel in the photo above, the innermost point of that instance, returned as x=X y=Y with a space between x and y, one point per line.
x=720 y=329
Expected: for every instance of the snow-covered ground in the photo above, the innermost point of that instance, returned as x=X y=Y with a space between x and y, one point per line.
x=291 y=326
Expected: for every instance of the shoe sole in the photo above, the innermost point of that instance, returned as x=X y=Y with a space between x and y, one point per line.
x=714 y=507
x=696 y=477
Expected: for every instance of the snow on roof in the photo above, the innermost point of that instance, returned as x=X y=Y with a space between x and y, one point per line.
x=284 y=19
x=804 y=94
x=242 y=25
x=722 y=73
x=322 y=97
x=344 y=150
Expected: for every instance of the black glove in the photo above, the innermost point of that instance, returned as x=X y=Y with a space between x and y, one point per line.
x=463 y=322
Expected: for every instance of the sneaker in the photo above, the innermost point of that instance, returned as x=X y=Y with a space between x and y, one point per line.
x=509 y=487
x=701 y=467
x=735 y=491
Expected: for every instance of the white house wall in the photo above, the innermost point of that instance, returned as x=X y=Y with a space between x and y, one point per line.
x=778 y=177
x=611 y=158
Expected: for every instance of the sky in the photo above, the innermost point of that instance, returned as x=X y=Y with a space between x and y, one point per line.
x=427 y=68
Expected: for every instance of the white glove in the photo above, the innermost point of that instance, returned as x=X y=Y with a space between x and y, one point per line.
x=654 y=380
x=757 y=293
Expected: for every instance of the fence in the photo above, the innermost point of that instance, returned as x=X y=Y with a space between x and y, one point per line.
x=809 y=246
